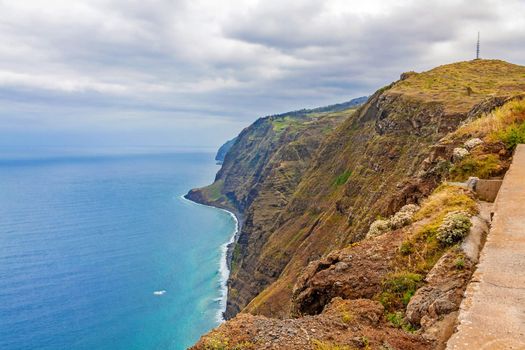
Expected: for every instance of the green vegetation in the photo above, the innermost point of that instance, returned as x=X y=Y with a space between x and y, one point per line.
x=492 y=126
x=406 y=248
x=397 y=320
x=398 y=288
x=459 y=263
x=482 y=166
x=422 y=249
x=213 y=192
x=235 y=257
x=342 y=178
x=512 y=135
x=430 y=238
x=445 y=199
x=282 y=123
x=400 y=219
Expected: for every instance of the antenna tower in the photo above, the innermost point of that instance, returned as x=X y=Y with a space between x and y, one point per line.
x=477 y=48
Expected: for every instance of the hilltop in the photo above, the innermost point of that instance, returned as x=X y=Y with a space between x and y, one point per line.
x=310 y=191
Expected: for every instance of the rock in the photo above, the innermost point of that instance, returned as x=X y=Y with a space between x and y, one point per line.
x=459 y=153
x=341 y=266
x=472 y=143
x=443 y=292
x=363 y=326
x=407 y=75
x=471 y=183
x=353 y=272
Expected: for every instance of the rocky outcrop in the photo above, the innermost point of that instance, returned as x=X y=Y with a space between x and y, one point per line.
x=344 y=324
x=443 y=290
x=351 y=273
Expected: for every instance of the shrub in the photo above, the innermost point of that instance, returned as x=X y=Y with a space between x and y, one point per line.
x=397 y=320
x=378 y=227
x=482 y=166
x=454 y=228
x=512 y=135
x=473 y=143
x=404 y=216
x=459 y=153
x=400 y=219
x=398 y=289
x=406 y=248
x=459 y=263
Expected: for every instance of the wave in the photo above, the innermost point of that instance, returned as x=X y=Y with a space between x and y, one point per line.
x=224 y=271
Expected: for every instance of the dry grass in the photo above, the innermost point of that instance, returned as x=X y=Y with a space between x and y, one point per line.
x=490 y=126
x=421 y=248
x=444 y=200
x=461 y=85
x=482 y=166
x=320 y=345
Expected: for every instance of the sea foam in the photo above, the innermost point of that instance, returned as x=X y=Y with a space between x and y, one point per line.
x=224 y=271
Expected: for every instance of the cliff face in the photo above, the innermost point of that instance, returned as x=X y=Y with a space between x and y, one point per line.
x=259 y=175
x=310 y=251
x=303 y=195
x=223 y=150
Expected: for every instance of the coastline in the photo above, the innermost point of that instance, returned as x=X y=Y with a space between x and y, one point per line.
x=226 y=257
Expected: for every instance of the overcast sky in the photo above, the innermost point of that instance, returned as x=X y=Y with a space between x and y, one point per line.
x=191 y=74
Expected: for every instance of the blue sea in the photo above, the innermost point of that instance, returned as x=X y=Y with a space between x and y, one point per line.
x=101 y=252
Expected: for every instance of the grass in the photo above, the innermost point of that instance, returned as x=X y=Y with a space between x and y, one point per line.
x=397 y=320
x=503 y=124
x=398 y=289
x=342 y=178
x=235 y=257
x=320 y=345
x=512 y=135
x=421 y=250
x=479 y=165
x=445 y=199
x=461 y=85
x=280 y=124
x=213 y=192
x=459 y=263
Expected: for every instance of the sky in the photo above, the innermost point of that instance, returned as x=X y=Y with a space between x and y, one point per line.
x=190 y=74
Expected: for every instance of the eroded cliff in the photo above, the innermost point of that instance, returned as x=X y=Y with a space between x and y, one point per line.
x=299 y=247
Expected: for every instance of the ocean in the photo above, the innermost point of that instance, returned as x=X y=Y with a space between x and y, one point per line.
x=102 y=252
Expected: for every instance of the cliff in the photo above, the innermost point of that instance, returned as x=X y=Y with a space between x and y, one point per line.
x=221 y=153
x=309 y=201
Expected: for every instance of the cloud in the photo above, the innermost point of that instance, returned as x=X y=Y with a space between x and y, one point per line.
x=170 y=65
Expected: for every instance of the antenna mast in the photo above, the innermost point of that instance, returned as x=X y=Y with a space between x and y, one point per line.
x=477 y=48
